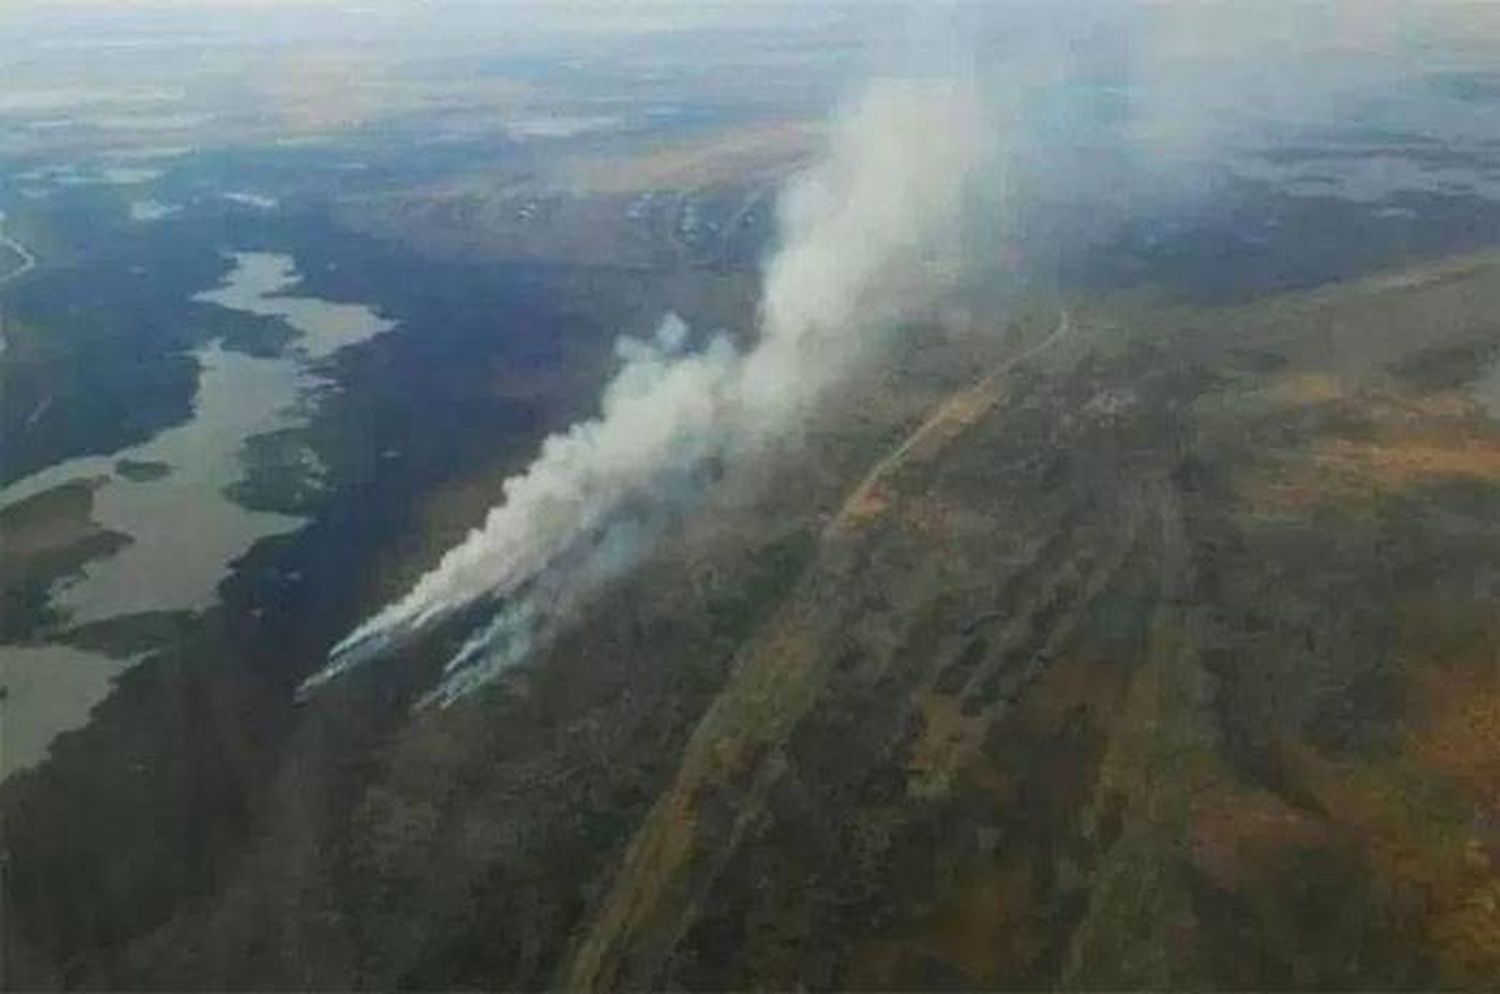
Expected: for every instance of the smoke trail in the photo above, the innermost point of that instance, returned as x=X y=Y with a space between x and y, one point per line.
x=859 y=231
x=862 y=230
x=659 y=418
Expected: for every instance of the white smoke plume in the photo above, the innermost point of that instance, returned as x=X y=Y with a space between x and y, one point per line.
x=864 y=236
x=659 y=417
x=862 y=233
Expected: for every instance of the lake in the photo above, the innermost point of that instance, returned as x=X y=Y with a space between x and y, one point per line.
x=185 y=529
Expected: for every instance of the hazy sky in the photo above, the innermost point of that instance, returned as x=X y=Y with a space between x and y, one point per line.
x=1355 y=19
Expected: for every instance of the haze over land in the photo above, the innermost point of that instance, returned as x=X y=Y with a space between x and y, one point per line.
x=895 y=496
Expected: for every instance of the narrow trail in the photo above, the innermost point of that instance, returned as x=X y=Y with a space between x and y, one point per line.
x=957 y=412
x=654 y=894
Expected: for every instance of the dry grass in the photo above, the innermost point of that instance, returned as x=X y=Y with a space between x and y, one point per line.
x=1342 y=471
x=948 y=740
x=875 y=494
x=1235 y=834
x=1441 y=879
x=1304 y=389
x=1461 y=736
x=1402 y=463
x=990 y=924
x=1387 y=441
x=1427 y=820
x=752 y=712
x=766 y=150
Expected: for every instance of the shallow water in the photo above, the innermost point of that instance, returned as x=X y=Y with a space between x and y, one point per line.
x=258 y=285
x=185 y=530
x=48 y=690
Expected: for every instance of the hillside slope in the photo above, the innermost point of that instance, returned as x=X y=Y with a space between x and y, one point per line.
x=1174 y=665
x=1144 y=647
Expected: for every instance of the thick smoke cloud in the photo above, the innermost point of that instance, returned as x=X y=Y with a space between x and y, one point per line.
x=864 y=233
